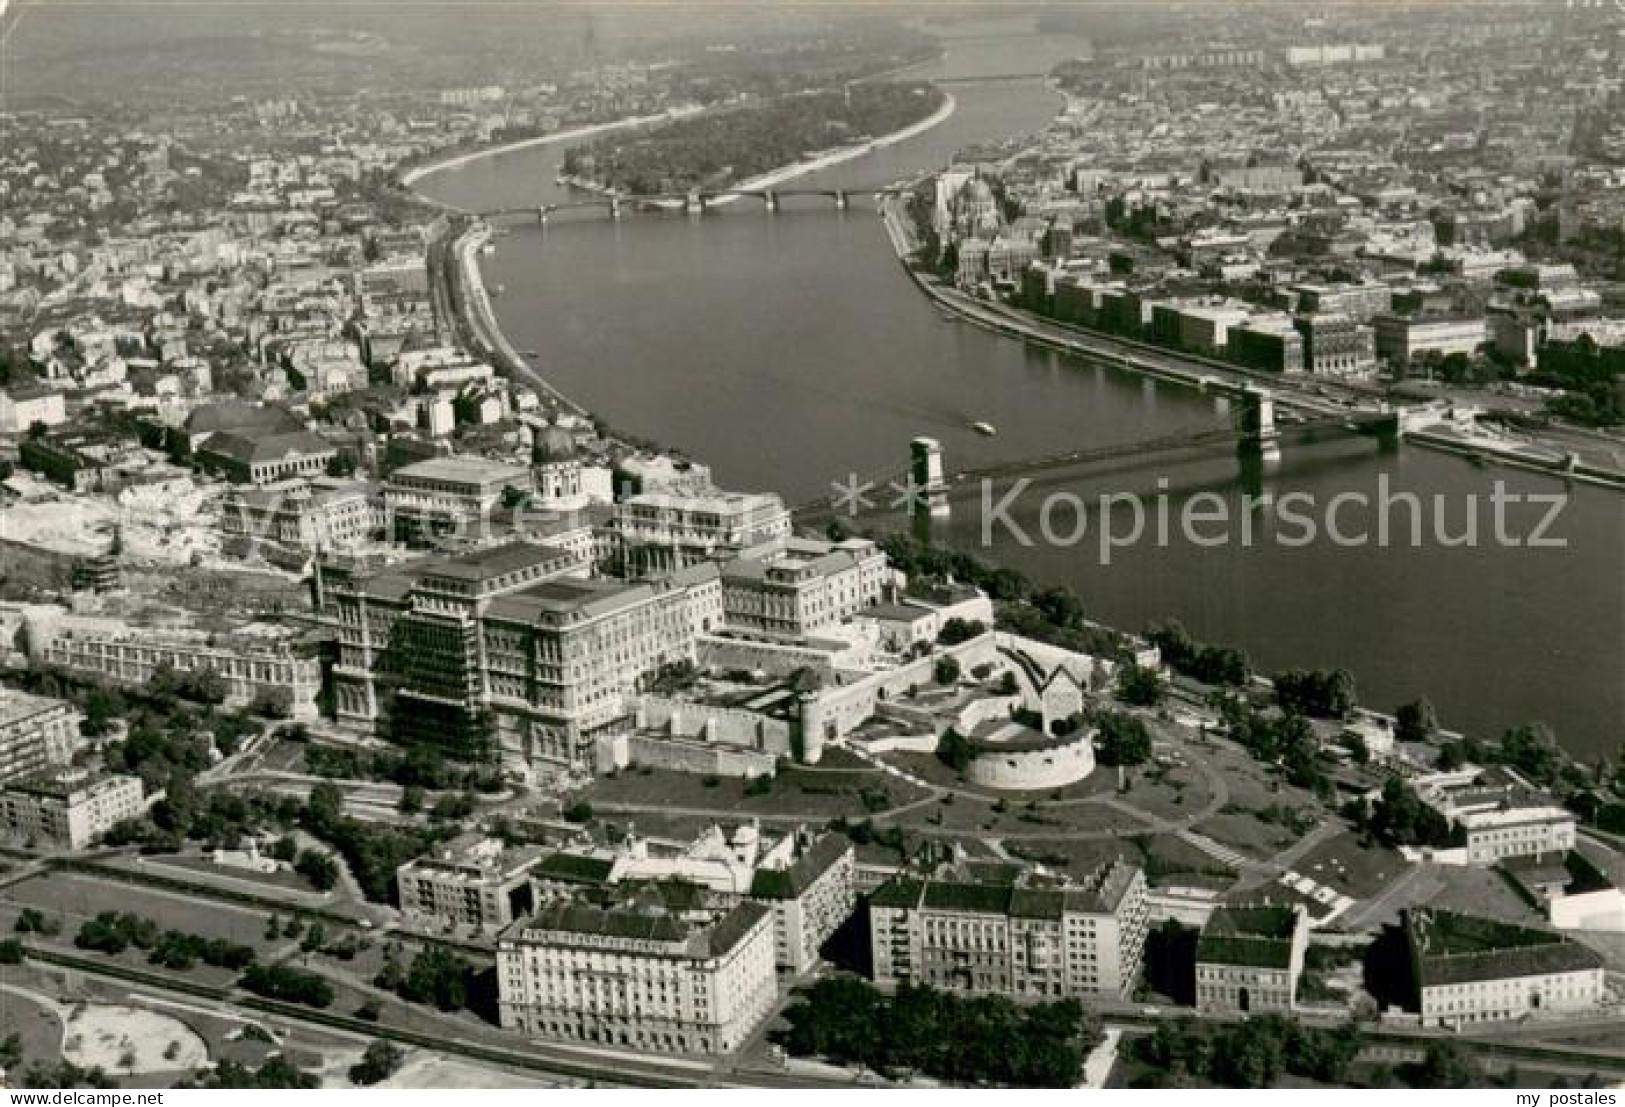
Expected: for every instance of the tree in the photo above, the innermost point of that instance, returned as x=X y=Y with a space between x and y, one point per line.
x=946 y=670
x=379 y=1062
x=273 y=703
x=1059 y=606
x=1140 y=687
x=955 y=750
x=1122 y=739
x=437 y=976
x=1415 y=721
x=1320 y=693
x=289 y=985
x=411 y=801
x=957 y=630
x=325 y=805
x=1532 y=750
x=1446 y=1065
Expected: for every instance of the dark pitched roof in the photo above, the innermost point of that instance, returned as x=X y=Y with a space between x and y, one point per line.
x=900 y=891
x=1451 y=948
x=792 y=882
x=235 y=415
x=574 y=918
x=1259 y=935
x=980 y=898
x=575 y=868
x=265 y=447
x=1037 y=903
x=734 y=926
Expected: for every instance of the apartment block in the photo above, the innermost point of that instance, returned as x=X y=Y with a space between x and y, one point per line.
x=1026 y=938
x=639 y=974
x=36 y=732
x=67 y=809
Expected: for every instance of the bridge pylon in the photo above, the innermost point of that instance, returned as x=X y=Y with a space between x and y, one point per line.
x=925 y=472
x=1255 y=424
x=694 y=204
x=614 y=206
x=840 y=199
x=770 y=200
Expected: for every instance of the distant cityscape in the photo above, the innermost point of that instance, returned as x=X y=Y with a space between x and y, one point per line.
x=373 y=713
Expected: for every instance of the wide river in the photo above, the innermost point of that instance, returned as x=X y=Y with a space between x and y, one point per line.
x=790 y=350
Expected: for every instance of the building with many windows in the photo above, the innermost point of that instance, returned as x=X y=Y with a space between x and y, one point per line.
x=471 y=881
x=502 y=651
x=310 y=516
x=1468 y=970
x=803 y=586
x=252 y=661
x=808 y=881
x=35 y=732
x=812 y=893
x=1018 y=935
x=1402 y=338
x=1249 y=958
x=443 y=495
x=639 y=973
x=1335 y=345
x=661 y=532
x=1500 y=815
x=265 y=458
x=67 y=809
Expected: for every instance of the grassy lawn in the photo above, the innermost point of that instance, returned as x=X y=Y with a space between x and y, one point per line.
x=38 y=1028
x=816 y=795
x=1245 y=831
x=984 y=817
x=1482 y=892
x=184 y=865
x=1166 y=793
x=1342 y=863
x=74 y=899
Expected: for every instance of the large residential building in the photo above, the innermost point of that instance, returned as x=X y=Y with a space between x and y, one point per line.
x=809 y=882
x=1249 y=958
x=36 y=732
x=1335 y=345
x=1358 y=301
x=471 y=881
x=445 y=495
x=1402 y=338
x=1025 y=937
x=804 y=586
x=67 y=809
x=1268 y=342
x=662 y=532
x=254 y=660
x=812 y=895
x=639 y=973
x=500 y=651
x=1468 y=970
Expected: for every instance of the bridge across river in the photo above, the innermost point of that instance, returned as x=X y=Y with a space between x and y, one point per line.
x=1249 y=428
x=692 y=202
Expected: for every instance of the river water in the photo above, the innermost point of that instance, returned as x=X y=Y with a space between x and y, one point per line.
x=791 y=350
